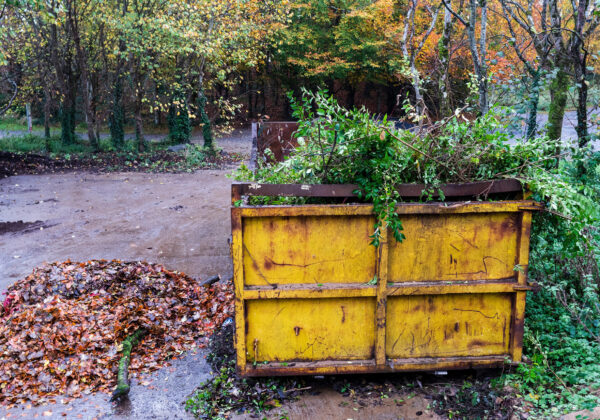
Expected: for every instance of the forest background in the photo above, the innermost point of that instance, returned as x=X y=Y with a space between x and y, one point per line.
x=141 y=64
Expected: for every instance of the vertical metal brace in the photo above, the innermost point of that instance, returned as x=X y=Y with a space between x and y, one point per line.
x=238 y=281
x=518 y=315
x=380 y=314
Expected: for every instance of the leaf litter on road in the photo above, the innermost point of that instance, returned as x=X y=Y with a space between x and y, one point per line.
x=61 y=327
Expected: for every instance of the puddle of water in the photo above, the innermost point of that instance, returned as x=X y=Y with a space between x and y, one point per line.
x=21 y=227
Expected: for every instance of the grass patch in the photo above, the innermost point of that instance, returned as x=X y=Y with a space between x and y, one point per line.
x=16 y=124
x=31 y=143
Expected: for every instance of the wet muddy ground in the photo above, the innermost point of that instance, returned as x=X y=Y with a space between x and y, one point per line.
x=179 y=220
x=327 y=404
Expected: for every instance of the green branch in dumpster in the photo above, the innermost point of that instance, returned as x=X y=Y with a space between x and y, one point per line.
x=341 y=146
x=410 y=146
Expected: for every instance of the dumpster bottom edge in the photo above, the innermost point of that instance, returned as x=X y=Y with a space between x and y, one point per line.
x=331 y=367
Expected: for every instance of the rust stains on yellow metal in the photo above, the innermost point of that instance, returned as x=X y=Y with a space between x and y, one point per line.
x=290 y=250
x=448 y=325
x=310 y=330
x=480 y=246
x=313 y=296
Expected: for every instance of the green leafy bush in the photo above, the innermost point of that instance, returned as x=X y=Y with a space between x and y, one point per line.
x=562 y=335
x=340 y=146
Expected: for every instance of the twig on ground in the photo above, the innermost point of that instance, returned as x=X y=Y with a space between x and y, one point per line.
x=123 y=386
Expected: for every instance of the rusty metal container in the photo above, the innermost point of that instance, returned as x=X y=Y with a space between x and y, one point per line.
x=274 y=136
x=314 y=297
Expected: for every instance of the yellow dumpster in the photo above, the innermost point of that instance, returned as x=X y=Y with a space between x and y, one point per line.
x=312 y=296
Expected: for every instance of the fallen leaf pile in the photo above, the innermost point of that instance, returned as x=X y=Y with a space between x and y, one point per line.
x=61 y=327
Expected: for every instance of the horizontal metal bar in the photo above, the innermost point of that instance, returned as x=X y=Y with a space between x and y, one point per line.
x=299 y=190
x=471 y=189
x=367 y=209
x=343 y=290
x=307 y=291
x=536 y=207
x=526 y=288
x=452 y=287
x=443 y=363
x=328 y=367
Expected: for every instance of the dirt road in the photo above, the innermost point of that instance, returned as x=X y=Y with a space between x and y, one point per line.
x=179 y=220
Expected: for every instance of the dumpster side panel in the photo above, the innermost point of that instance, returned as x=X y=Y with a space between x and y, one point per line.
x=448 y=325
x=286 y=330
x=316 y=249
x=454 y=247
x=314 y=297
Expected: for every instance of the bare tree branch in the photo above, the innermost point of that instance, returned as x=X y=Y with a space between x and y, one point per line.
x=12 y=98
x=456 y=15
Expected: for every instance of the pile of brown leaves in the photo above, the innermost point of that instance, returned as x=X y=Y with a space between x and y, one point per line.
x=61 y=327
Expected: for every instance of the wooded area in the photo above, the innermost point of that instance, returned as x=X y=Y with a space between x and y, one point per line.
x=203 y=63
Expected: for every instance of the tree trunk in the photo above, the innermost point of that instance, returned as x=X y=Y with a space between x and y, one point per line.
x=139 y=126
x=89 y=114
x=533 y=106
x=82 y=63
x=558 y=103
x=47 y=114
x=207 y=133
x=582 y=123
x=67 y=83
x=116 y=119
x=416 y=81
x=138 y=89
x=478 y=53
x=156 y=111
x=29 y=119
x=179 y=117
x=444 y=55
x=483 y=80
x=68 y=109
